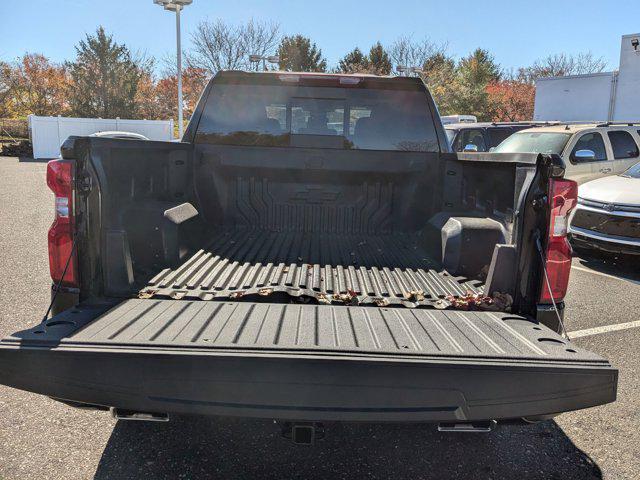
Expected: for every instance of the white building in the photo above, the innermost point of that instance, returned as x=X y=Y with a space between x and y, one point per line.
x=610 y=96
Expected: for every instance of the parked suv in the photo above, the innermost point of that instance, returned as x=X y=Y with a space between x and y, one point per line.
x=481 y=137
x=590 y=151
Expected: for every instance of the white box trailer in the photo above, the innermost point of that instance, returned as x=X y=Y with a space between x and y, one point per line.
x=574 y=98
x=48 y=133
x=607 y=96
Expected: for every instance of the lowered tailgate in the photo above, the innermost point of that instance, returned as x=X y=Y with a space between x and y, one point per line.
x=306 y=362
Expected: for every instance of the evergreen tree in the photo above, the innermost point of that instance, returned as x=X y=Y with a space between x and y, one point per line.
x=298 y=54
x=354 y=62
x=105 y=78
x=479 y=68
x=379 y=61
x=474 y=73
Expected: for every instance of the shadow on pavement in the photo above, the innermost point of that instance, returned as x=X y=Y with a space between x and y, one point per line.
x=230 y=448
x=619 y=265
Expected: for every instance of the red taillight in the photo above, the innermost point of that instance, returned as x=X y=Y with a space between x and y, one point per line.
x=564 y=196
x=61 y=252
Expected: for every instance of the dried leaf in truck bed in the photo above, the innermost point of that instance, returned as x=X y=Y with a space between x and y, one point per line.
x=442 y=304
x=349 y=298
x=471 y=301
x=324 y=298
x=414 y=296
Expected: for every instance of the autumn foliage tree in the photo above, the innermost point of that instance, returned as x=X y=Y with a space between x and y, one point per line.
x=511 y=100
x=439 y=73
x=166 y=89
x=35 y=85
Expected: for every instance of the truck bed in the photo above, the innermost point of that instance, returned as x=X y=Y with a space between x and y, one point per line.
x=354 y=269
x=305 y=362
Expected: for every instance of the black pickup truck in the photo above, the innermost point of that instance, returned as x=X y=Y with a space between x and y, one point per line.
x=311 y=251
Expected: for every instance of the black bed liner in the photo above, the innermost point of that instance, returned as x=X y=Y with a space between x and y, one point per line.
x=322 y=328
x=377 y=269
x=306 y=362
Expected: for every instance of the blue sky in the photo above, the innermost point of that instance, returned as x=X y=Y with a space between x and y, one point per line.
x=516 y=32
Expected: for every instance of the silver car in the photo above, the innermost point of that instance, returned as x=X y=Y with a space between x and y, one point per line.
x=608 y=213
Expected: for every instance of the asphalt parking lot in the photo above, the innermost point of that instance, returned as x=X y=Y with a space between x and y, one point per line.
x=42 y=439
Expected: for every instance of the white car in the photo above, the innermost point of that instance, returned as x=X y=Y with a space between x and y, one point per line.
x=589 y=151
x=120 y=135
x=608 y=213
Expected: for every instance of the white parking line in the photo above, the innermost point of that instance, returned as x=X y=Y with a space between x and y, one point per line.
x=606 y=275
x=605 y=329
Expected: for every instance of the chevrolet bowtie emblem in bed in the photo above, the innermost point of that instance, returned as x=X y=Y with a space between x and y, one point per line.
x=315 y=195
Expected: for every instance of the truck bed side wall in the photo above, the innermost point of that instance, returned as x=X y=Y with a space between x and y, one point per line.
x=124 y=233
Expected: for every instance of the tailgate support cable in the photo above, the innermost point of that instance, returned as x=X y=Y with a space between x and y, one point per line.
x=546 y=279
x=59 y=284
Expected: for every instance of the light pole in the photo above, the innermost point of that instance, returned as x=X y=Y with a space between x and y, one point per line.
x=408 y=70
x=264 y=59
x=177 y=6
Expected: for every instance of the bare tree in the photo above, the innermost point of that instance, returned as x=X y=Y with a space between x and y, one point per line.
x=5 y=72
x=408 y=52
x=220 y=46
x=562 y=64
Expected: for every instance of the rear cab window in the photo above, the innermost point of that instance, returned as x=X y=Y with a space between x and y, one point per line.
x=471 y=136
x=498 y=135
x=319 y=114
x=623 y=145
x=590 y=141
